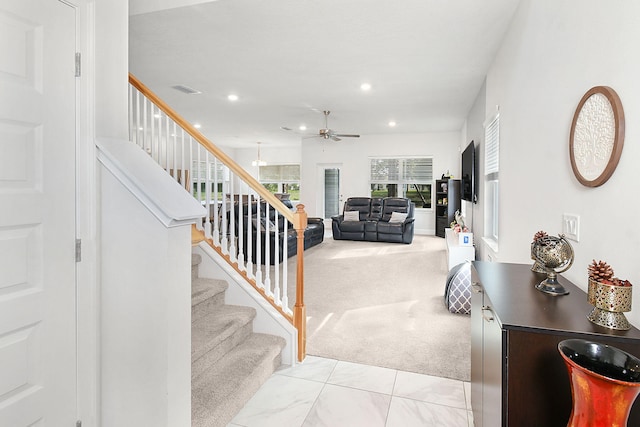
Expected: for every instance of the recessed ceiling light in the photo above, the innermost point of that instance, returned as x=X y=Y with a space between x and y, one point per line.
x=392 y=124
x=365 y=86
x=232 y=97
x=197 y=125
x=302 y=127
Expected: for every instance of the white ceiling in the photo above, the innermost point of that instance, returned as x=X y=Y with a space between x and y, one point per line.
x=288 y=60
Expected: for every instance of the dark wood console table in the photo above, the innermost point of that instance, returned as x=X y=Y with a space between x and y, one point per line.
x=518 y=377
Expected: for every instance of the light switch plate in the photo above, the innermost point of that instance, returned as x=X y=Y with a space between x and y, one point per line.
x=571 y=226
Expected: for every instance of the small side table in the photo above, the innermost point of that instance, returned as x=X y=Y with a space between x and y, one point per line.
x=457 y=254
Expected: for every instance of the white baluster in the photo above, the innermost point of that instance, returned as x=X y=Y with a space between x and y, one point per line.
x=276 y=256
x=207 y=195
x=225 y=217
x=139 y=140
x=285 y=264
x=240 y=235
x=131 y=112
x=232 y=227
x=216 y=205
x=267 y=250
x=258 y=246
x=145 y=128
x=250 y=236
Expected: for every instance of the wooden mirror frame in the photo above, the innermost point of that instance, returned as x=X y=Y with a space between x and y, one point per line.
x=618 y=140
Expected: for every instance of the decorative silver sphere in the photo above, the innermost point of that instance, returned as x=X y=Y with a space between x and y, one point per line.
x=553 y=255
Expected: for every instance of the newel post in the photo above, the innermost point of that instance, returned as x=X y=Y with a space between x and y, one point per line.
x=299 y=310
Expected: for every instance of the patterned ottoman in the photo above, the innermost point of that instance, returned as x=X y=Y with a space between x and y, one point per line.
x=457 y=292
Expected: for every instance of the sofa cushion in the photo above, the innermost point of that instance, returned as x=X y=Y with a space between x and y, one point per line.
x=390 y=227
x=375 y=212
x=398 y=217
x=394 y=204
x=352 y=226
x=351 y=216
x=360 y=204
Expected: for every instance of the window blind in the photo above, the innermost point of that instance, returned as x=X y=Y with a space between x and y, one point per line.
x=217 y=171
x=418 y=170
x=385 y=170
x=492 y=146
x=279 y=173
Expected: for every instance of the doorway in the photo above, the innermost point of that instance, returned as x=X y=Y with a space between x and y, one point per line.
x=331 y=177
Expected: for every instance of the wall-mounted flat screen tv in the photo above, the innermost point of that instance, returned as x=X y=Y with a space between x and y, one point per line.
x=469 y=173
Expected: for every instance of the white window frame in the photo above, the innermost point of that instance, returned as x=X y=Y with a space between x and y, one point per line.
x=492 y=181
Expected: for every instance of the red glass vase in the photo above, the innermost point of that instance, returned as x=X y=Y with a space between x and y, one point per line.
x=605 y=382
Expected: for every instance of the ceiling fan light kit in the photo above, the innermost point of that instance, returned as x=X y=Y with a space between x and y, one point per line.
x=327 y=133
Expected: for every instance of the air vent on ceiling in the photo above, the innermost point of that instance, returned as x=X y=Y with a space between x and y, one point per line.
x=186 y=89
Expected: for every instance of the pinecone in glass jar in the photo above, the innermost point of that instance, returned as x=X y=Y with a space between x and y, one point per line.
x=539 y=235
x=600 y=271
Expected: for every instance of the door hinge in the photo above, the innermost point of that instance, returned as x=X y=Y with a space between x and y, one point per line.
x=78 y=250
x=78 y=62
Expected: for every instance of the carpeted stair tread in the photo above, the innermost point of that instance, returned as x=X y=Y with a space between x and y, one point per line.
x=217 y=333
x=222 y=390
x=202 y=289
x=196 y=259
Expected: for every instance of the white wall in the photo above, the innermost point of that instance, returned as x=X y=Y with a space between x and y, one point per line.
x=353 y=156
x=145 y=334
x=553 y=53
x=473 y=130
x=272 y=155
x=112 y=68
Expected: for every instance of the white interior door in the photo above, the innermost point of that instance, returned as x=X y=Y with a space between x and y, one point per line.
x=37 y=214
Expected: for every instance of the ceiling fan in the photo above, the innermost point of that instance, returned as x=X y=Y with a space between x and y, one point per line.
x=327 y=133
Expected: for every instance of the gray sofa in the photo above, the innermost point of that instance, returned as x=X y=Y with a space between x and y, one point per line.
x=378 y=219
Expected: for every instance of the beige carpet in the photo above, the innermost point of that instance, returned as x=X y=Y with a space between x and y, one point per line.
x=382 y=304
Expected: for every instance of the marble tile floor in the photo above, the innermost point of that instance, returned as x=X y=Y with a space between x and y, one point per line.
x=330 y=393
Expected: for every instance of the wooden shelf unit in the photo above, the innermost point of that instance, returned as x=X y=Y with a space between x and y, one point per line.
x=447 y=203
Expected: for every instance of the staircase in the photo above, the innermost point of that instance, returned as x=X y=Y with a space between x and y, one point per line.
x=229 y=362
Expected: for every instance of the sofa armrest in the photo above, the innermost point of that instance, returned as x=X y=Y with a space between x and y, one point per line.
x=314 y=220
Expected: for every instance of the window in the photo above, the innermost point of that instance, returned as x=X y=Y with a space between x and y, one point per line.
x=281 y=179
x=217 y=176
x=491 y=182
x=403 y=177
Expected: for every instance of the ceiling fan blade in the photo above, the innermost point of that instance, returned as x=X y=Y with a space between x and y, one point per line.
x=347 y=135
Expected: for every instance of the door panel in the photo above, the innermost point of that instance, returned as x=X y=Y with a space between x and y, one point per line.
x=331 y=176
x=37 y=214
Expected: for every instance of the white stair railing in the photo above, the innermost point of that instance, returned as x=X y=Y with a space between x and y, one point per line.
x=246 y=224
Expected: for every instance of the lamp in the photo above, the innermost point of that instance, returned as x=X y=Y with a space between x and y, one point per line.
x=258 y=161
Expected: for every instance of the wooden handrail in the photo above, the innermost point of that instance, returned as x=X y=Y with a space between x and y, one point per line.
x=198 y=136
